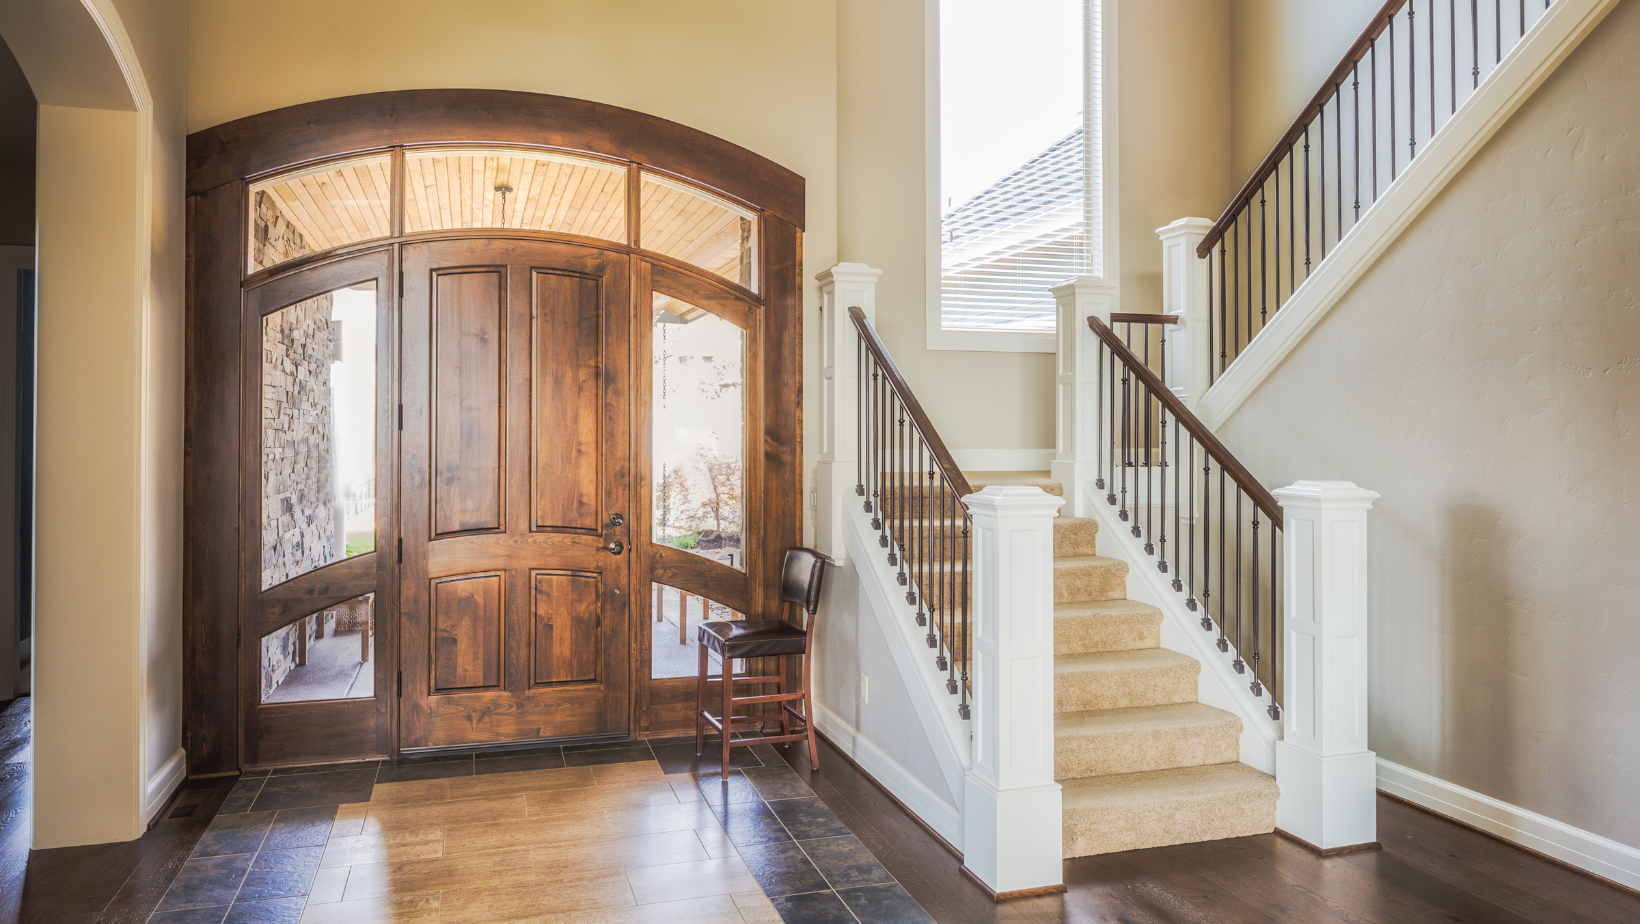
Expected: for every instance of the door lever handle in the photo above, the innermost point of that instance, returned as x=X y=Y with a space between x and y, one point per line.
x=614 y=548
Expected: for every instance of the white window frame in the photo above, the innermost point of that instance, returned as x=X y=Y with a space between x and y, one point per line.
x=937 y=336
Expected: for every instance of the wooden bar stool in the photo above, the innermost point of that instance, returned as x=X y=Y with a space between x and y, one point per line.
x=800 y=576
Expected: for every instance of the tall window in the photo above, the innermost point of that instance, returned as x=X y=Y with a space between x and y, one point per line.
x=1019 y=158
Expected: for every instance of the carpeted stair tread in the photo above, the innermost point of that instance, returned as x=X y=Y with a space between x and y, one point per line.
x=1105 y=625
x=981 y=480
x=1120 y=679
x=1156 y=808
x=1075 y=536
x=1140 y=738
x=1082 y=578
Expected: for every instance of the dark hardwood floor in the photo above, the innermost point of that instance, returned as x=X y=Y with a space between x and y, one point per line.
x=1429 y=870
x=100 y=884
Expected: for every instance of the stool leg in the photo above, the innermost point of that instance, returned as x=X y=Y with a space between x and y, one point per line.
x=700 y=704
x=785 y=717
x=683 y=618
x=728 y=709
x=808 y=713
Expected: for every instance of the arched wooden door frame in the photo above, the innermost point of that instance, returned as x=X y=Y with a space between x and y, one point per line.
x=222 y=163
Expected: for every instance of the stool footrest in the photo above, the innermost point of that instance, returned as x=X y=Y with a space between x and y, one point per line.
x=770 y=698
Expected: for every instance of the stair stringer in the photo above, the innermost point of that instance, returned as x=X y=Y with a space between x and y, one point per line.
x=1548 y=42
x=949 y=736
x=1219 y=685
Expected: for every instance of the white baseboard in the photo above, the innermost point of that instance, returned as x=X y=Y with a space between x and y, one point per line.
x=163 y=784
x=934 y=811
x=1002 y=460
x=1601 y=856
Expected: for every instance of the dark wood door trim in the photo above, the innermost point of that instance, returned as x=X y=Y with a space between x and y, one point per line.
x=282 y=138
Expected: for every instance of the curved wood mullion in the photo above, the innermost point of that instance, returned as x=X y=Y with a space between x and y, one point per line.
x=706 y=294
x=702 y=576
x=319 y=589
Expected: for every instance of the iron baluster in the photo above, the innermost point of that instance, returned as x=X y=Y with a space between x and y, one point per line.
x=1257 y=641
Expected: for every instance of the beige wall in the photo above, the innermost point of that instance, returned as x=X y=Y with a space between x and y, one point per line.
x=1281 y=52
x=1484 y=377
x=1173 y=131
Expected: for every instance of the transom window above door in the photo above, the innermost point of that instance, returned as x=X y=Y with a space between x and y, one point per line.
x=445 y=188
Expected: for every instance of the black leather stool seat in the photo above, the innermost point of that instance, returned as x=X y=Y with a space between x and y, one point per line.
x=752 y=638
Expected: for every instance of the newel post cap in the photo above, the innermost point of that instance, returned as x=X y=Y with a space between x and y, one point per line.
x=1013 y=500
x=1332 y=495
x=1184 y=226
x=1083 y=285
x=848 y=272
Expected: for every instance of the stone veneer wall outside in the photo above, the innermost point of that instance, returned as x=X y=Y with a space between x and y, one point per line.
x=298 y=479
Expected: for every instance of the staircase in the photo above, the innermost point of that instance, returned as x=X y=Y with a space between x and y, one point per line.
x=1142 y=762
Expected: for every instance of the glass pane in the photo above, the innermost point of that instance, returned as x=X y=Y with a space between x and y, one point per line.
x=318 y=432
x=698 y=228
x=328 y=655
x=699 y=443
x=674 y=629
x=502 y=188
x=318 y=208
x=1019 y=159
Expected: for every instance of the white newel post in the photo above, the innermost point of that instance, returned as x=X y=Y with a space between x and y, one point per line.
x=1185 y=295
x=1328 y=778
x=1011 y=834
x=844 y=286
x=1076 y=388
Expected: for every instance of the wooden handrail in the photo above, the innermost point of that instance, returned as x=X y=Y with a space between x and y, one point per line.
x=919 y=419
x=1129 y=318
x=1296 y=130
x=1239 y=473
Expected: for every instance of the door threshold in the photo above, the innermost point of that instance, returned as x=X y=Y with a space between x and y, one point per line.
x=492 y=746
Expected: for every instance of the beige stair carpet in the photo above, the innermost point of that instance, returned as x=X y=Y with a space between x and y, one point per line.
x=1143 y=763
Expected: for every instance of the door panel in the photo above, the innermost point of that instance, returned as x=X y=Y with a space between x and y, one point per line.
x=566 y=331
x=517 y=432
x=470 y=407
x=565 y=616
x=467 y=620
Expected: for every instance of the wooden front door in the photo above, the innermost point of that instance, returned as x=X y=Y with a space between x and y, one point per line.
x=517 y=422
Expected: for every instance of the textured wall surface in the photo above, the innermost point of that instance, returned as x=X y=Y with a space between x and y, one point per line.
x=1484 y=377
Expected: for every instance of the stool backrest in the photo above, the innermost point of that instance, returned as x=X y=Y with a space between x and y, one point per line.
x=800 y=576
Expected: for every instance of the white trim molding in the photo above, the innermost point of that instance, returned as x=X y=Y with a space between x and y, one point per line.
x=936 y=812
x=163 y=784
x=1585 y=850
x=1012 y=822
x=1547 y=43
x=1322 y=763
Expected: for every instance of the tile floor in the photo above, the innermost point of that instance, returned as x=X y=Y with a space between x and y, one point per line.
x=614 y=833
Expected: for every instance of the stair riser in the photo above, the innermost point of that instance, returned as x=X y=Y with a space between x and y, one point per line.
x=1084 y=583
x=1073 y=536
x=1148 y=749
x=1171 y=821
x=1085 y=634
x=1090 y=690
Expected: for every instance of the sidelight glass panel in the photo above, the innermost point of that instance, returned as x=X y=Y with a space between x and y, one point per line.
x=699 y=228
x=448 y=188
x=317 y=208
x=699 y=441
x=674 y=629
x=318 y=432
x=326 y=655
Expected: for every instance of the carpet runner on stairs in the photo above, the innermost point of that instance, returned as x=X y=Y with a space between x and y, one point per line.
x=1142 y=762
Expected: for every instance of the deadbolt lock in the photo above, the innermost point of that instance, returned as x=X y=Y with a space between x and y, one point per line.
x=616 y=519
